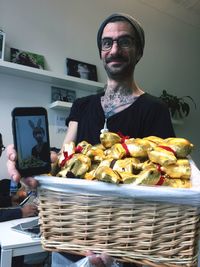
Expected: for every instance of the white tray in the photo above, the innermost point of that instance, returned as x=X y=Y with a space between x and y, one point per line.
x=184 y=196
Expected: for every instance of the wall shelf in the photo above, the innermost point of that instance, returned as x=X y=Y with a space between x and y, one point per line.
x=49 y=76
x=61 y=105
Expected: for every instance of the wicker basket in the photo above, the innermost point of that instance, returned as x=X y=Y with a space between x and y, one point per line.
x=132 y=230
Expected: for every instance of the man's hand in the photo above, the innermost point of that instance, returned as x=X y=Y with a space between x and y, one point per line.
x=29 y=210
x=102 y=260
x=12 y=157
x=13 y=172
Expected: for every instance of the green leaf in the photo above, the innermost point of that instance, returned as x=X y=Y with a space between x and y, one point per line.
x=187 y=96
x=185 y=109
x=177 y=104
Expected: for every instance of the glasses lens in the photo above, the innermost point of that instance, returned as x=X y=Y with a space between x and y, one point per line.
x=125 y=42
x=106 y=44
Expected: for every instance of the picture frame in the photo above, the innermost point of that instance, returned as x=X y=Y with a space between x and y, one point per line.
x=62 y=94
x=2 y=44
x=26 y=58
x=81 y=69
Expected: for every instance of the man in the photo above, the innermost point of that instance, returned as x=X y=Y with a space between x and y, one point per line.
x=39 y=150
x=7 y=213
x=7 y=201
x=123 y=107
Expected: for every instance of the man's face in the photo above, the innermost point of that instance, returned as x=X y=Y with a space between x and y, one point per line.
x=119 y=62
x=38 y=135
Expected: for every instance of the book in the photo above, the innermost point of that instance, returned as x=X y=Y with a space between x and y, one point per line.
x=31 y=228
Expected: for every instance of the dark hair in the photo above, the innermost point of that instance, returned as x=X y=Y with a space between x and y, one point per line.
x=38 y=130
x=140 y=42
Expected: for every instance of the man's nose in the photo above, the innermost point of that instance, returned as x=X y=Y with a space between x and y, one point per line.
x=115 y=48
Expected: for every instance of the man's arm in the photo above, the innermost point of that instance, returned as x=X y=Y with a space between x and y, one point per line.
x=10 y=214
x=5 y=201
x=71 y=132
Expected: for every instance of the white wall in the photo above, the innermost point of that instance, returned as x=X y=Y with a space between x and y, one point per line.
x=61 y=28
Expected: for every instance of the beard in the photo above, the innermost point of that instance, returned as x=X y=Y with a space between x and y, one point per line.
x=118 y=67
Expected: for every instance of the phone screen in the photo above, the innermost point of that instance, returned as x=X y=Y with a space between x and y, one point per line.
x=31 y=140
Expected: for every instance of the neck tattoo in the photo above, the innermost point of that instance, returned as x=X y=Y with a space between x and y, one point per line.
x=115 y=101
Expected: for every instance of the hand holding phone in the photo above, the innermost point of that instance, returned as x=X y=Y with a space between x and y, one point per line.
x=31 y=140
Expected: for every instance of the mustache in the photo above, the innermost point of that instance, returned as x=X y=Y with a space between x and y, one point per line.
x=117 y=58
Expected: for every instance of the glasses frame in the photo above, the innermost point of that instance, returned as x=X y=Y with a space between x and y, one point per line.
x=2 y=148
x=117 y=41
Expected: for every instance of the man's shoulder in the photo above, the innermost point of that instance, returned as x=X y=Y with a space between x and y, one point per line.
x=151 y=100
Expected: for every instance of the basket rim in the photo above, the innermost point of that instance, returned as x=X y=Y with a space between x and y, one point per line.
x=183 y=196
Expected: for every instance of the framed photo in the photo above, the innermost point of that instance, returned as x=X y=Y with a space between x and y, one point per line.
x=61 y=94
x=26 y=58
x=2 y=44
x=81 y=69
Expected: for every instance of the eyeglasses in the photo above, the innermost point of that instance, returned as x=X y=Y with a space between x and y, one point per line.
x=2 y=148
x=124 y=42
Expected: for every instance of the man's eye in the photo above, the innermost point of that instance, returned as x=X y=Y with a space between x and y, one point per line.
x=107 y=42
x=124 y=42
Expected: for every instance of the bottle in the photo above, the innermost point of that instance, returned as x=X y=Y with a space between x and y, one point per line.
x=13 y=187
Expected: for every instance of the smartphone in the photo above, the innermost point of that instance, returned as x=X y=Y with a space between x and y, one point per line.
x=31 y=140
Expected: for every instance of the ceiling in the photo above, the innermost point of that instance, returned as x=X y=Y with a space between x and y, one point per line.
x=187 y=11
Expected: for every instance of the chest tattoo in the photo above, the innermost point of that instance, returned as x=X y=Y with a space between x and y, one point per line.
x=114 y=102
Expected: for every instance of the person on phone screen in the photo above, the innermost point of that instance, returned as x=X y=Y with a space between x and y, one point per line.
x=39 y=150
x=123 y=106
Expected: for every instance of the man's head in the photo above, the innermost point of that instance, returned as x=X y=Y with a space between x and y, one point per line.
x=38 y=131
x=139 y=32
x=120 y=40
x=38 y=134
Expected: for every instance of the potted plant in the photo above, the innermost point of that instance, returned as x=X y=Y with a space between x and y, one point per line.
x=178 y=106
